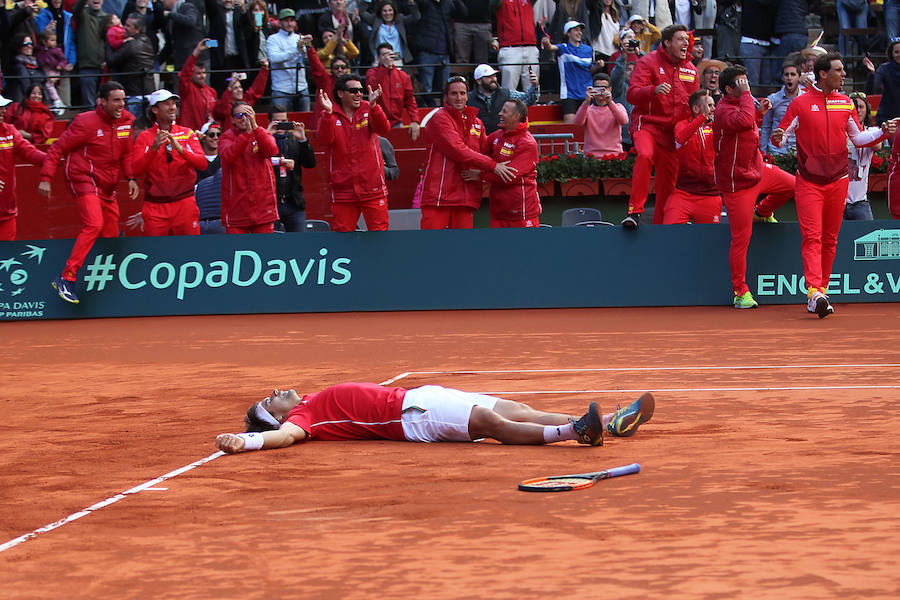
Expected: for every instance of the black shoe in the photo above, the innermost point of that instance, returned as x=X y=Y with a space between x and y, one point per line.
x=589 y=427
x=631 y=221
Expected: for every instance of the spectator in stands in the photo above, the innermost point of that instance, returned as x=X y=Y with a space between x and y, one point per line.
x=152 y=14
x=184 y=25
x=168 y=156
x=728 y=29
x=336 y=45
x=113 y=32
x=285 y=50
x=566 y=11
x=97 y=146
x=629 y=49
x=757 y=27
x=790 y=24
x=25 y=71
x=809 y=56
x=455 y=139
x=517 y=42
x=431 y=44
x=391 y=170
x=742 y=176
x=13 y=148
x=697 y=51
x=388 y=26
x=886 y=81
x=514 y=203
x=706 y=20
x=857 y=206
x=231 y=53
x=209 y=136
x=248 y=184
x=619 y=79
x=135 y=56
x=472 y=32
x=601 y=118
x=658 y=105
x=65 y=39
x=397 y=95
x=339 y=18
x=575 y=61
x=323 y=78
x=603 y=23
x=790 y=76
x=645 y=32
x=256 y=30
x=852 y=14
x=221 y=112
x=294 y=152
x=695 y=197
x=22 y=23
x=209 y=203
x=489 y=98
x=52 y=62
x=31 y=117
x=892 y=18
x=709 y=71
x=349 y=133
x=197 y=98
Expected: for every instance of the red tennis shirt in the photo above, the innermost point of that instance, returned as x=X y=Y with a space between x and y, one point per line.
x=351 y=411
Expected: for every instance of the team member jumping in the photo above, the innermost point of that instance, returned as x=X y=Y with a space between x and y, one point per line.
x=822 y=119
x=365 y=411
x=741 y=174
x=696 y=197
x=97 y=145
x=170 y=156
x=13 y=147
x=659 y=90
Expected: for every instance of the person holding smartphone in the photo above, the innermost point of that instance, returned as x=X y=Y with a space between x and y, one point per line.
x=294 y=151
x=601 y=118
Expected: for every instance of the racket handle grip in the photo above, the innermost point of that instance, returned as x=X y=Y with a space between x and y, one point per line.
x=626 y=470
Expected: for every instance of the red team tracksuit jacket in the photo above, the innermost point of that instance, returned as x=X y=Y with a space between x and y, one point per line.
x=95 y=146
x=355 y=165
x=221 y=112
x=248 y=182
x=514 y=204
x=12 y=146
x=695 y=196
x=397 y=93
x=197 y=102
x=741 y=176
x=454 y=142
x=169 y=179
x=821 y=124
x=653 y=120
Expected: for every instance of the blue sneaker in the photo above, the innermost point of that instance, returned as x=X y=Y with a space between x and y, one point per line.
x=626 y=420
x=589 y=427
x=65 y=289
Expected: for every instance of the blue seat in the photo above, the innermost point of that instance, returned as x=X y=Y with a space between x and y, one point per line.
x=574 y=216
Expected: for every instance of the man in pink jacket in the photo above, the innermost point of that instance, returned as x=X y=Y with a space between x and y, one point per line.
x=601 y=118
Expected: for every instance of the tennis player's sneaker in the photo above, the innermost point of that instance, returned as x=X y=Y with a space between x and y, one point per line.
x=632 y=221
x=745 y=300
x=625 y=421
x=818 y=303
x=589 y=427
x=65 y=289
x=758 y=218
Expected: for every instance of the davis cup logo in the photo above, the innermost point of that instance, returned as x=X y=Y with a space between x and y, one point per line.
x=14 y=271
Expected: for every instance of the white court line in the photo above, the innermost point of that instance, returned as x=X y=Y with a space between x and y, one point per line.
x=147 y=485
x=715 y=389
x=644 y=369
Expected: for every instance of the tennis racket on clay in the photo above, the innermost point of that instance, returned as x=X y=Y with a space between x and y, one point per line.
x=579 y=481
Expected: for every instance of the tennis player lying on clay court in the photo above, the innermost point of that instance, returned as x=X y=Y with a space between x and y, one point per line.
x=366 y=411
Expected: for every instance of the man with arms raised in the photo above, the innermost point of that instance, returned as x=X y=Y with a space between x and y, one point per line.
x=398 y=91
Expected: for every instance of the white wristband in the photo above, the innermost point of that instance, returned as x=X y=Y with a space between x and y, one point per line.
x=252 y=441
x=276 y=160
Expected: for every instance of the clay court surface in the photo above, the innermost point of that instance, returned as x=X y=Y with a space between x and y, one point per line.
x=771 y=468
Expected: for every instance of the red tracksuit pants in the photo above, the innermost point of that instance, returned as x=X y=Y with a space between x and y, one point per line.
x=893 y=190
x=820 y=211
x=650 y=154
x=683 y=206
x=8 y=229
x=448 y=217
x=779 y=188
x=346 y=215
x=99 y=218
x=181 y=217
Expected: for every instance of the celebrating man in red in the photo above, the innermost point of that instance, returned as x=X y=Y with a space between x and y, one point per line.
x=97 y=144
x=12 y=147
x=248 y=184
x=696 y=197
x=398 y=91
x=168 y=155
x=197 y=98
x=822 y=118
x=742 y=176
x=349 y=132
x=235 y=93
x=659 y=90
x=455 y=139
x=514 y=203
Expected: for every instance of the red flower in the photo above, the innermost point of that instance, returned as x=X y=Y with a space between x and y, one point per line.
x=554 y=156
x=877 y=162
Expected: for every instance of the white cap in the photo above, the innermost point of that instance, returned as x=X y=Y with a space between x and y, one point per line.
x=484 y=71
x=5 y=101
x=161 y=96
x=635 y=18
x=625 y=32
x=571 y=25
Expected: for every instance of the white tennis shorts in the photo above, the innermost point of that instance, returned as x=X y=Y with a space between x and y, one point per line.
x=432 y=413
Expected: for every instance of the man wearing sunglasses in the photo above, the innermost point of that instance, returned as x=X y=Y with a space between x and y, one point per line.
x=349 y=132
x=324 y=78
x=168 y=155
x=248 y=184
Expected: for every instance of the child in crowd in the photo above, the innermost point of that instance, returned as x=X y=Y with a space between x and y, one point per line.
x=52 y=61
x=25 y=68
x=114 y=33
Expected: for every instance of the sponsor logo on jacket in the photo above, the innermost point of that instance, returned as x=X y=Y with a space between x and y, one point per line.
x=685 y=74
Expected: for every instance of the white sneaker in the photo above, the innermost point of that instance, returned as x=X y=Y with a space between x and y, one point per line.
x=818 y=303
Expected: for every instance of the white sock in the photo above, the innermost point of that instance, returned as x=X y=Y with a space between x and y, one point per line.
x=559 y=433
